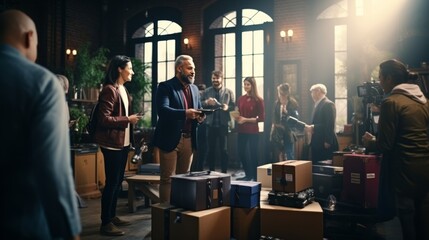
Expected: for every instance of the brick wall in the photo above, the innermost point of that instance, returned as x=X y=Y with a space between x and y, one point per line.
x=83 y=24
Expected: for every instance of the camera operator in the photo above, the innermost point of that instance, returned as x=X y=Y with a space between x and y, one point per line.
x=404 y=143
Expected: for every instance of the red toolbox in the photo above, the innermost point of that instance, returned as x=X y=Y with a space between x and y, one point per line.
x=360 y=180
x=200 y=190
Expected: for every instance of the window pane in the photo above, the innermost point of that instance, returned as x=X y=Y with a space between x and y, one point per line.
x=229 y=20
x=171 y=49
x=338 y=10
x=341 y=107
x=225 y=21
x=170 y=70
x=162 y=66
x=258 y=41
x=229 y=67
x=340 y=38
x=359 y=7
x=247 y=42
x=340 y=63
x=148 y=58
x=162 y=56
x=230 y=84
x=258 y=65
x=148 y=52
x=168 y=27
x=225 y=45
x=254 y=17
x=340 y=86
x=144 y=31
x=260 y=86
x=247 y=66
x=229 y=44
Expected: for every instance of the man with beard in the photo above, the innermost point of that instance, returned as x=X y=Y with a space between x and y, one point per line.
x=177 y=101
x=222 y=99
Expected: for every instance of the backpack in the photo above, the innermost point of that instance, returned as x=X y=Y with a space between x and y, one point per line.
x=92 y=123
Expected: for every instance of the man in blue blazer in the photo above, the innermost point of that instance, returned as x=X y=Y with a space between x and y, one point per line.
x=178 y=101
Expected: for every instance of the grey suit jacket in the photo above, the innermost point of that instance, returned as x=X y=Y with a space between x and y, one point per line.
x=226 y=96
x=39 y=199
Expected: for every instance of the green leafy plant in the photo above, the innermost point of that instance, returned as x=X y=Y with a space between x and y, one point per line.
x=81 y=119
x=90 y=67
x=139 y=86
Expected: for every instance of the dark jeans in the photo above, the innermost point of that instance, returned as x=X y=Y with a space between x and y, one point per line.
x=248 y=144
x=320 y=153
x=114 y=168
x=289 y=151
x=217 y=138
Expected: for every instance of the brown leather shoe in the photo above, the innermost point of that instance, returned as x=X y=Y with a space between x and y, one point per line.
x=118 y=222
x=111 y=230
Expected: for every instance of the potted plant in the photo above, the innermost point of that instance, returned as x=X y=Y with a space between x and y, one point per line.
x=79 y=120
x=88 y=72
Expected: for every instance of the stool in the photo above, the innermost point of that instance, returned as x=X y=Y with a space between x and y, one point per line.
x=145 y=183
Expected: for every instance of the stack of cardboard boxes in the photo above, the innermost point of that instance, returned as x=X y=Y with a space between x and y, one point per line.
x=236 y=209
x=287 y=222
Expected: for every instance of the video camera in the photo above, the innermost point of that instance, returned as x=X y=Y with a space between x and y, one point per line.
x=371 y=92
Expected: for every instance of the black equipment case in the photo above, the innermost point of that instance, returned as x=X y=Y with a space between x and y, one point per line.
x=200 y=190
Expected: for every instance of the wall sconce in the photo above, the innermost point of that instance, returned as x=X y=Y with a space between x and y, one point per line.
x=186 y=42
x=71 y=52
x=289 y=35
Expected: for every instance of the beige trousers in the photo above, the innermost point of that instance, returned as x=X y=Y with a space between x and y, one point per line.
x=177 y=161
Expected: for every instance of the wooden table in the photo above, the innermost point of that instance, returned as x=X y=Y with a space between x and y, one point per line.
x=148 y=184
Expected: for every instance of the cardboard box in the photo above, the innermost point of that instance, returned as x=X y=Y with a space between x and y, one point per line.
x=210 y=224
x=245 y=194
x=292 y=223
x=292 y=176
x=160 y=221
x=264 y=193
x=263 y=175
x=245 y=223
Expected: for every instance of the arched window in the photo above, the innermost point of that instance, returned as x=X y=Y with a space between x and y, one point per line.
x=155 y=40
x=239 y=44
x=356 y=26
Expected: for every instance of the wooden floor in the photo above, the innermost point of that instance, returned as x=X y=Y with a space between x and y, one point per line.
x=141 y=224
x=139 y=229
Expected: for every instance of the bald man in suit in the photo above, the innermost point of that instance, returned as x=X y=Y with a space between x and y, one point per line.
x=39 y=199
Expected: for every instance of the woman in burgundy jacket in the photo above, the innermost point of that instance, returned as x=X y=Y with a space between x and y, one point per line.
x=114 y=136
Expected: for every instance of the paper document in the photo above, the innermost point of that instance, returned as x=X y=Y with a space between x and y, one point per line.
x=234 y=114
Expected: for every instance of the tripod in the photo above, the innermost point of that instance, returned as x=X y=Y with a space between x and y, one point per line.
x=368 y=123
